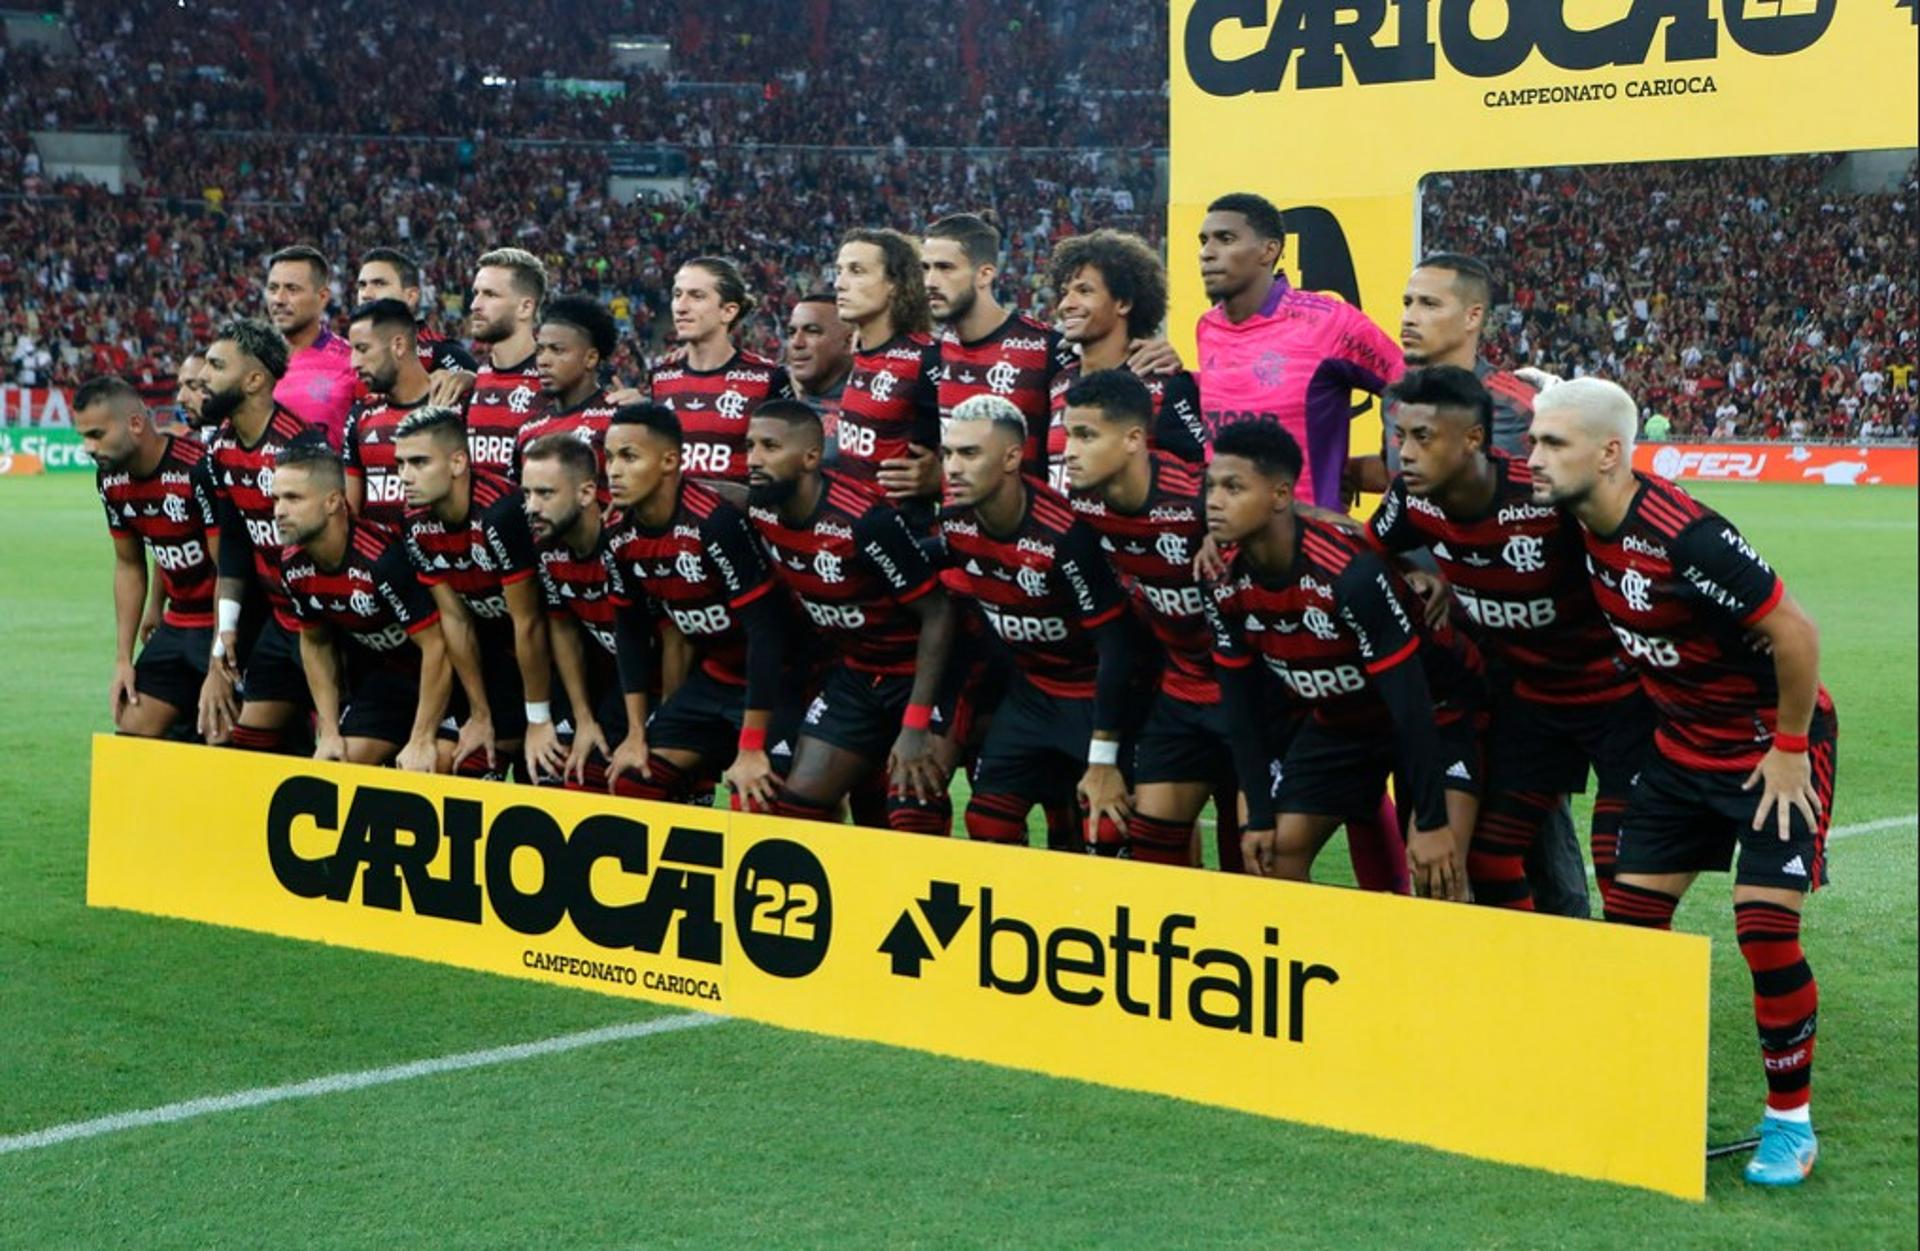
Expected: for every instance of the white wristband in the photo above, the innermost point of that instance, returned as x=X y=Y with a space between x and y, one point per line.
x=540 y=713
x=1103 y=751
x=219 y=647
x=228 y=612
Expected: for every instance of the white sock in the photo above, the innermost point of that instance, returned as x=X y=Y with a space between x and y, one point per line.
x=1802 y=1114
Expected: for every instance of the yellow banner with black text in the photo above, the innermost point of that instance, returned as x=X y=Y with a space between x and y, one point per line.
x=1569 y=1046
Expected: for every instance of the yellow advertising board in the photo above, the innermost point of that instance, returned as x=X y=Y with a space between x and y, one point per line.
x=1335 y=111
x=1471 y=1030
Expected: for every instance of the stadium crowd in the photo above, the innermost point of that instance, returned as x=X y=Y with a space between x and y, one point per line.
x=1739 y=299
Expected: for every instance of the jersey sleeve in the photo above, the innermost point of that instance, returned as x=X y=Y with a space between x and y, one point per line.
x=206 y=501
x=926 y=400
x=780 y=384
x=1369 y=604
x=114 y=527
x=505 y=526
x=734 y=555
x=888 y=547
x=450 y=355
x=1178 y=427
x=1221 y=605
x=1364 y=356
x=1719 y=567
x=1391 y=527
x=417 y=556
x=350 y=444
x=1082 y=569
x=399 y=586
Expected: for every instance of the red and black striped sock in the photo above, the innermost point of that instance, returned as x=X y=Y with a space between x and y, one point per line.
x=593 y=776
x=1157 y=841
x=1607 y=811
x=1636 y=905
x=997 y=818
x=788 y=804
x=1786 y=999
x=665 y=781
x=251 y=738
x=1509 y=823
x=913 y=816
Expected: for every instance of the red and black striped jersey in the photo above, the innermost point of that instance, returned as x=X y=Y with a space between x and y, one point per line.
x=1153 y=549
x=1336 y=618
x=243 y=494
x=374 y=598
x=1178 y=427
x=586 y=421
x=1683 y=590
x=699 y=570
x=714 y=407
x=1519 y=571
x=171 y=510
x=480 y=556
x=1017 y=361
x=580 y=587
x=1043 y=589
x=854 y=566
x=504 y=399
x=891 y=401
x=369 y=456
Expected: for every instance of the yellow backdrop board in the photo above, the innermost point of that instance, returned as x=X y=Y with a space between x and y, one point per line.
x=1343 y=107
x=1471 y=1030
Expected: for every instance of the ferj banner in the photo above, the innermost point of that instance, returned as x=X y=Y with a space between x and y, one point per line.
x=1336 y=110
x=1307 y=1003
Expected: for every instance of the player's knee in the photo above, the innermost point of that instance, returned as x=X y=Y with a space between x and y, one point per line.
x=997 y=819
x=256 y=738
x=1630 y=904
x=912 y=816
x=1159 y=841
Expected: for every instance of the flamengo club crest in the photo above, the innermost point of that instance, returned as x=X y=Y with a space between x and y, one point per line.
x=1526 y=553
x=1634 y=586
x=827 y=566
x=731 y=404
x=882 y=386
x=520 y=399
x=687 y=565
x=1172 y=548
x=1031 y=580
x=175 y=508
x=1003 y=377
x=361 y=602
x=1319 y=625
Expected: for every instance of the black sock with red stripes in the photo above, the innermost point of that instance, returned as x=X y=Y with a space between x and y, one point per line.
x=1509 y=823
x=665 y=781
x=1607 y=811
x=1786 y=999
x=997 y=818
x=1157 y=841
x=1636 y=905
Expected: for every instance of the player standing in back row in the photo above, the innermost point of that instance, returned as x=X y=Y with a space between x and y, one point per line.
x=890 y=408
x=1732 y=665
x=714 y=387
x=508 y=289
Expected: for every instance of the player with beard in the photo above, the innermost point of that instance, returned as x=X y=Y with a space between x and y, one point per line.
x=508 y=288
x=559 y=479
x=190 y=392
x=890 y=408
x=468 y=539
x=1328 y=617
x=1443 y=315
x=158 y=497
x=396 y=384
x=1112 y=294
x=714 y=387
x=819 y=360
x=859 y=572
x=319 y=383
x=1732 y=665
x=684 y=551
x=369 y=634
x=576 y=338
x=244 y=363
x=1017 y=554
x=390 y=274
x=1563 y=700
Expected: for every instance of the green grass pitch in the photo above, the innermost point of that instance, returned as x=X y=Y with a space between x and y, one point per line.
x=744 y=1134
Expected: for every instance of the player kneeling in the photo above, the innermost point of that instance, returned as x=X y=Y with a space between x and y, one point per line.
x=1342 y=632
x=1732 y=666
x=369 y=634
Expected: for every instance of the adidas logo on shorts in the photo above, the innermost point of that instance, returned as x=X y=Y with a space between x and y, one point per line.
x=1460 y=771
x=1794 y=868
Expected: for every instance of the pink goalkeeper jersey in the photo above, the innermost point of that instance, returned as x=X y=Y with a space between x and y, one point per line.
x=319 y=385
x=1296 y=361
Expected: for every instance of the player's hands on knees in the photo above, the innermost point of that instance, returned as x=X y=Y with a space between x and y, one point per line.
x=630 y=757
x=122 y=692
x=420 y=755
x=913 y=769
x=1103 y=792
x=916 y=474
x=1436 y=597
x=475 y=736
x=1786 y=779
x=588 y=738
x=218 y=707
x=1260 y=850
x=447 y=387
x=545 y=756
x=1208 y=563
x=329 y=746
x=750 y=778
x=1147 y=357
x=1433 y=861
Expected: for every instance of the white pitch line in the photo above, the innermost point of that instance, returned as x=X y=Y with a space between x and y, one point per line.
x=341 y=1083
x=1911 y=820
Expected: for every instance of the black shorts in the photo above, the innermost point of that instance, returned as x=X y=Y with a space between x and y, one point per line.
x=273 y=672
x=1036 y=746
x=1537 y=746
x=173 y=666
x=500 y=674
x=704 y=717
x=859 y=712
x=1681 y=820
x=1336 y=772
x=609 y=709
x=1183 y=741
x=380 y=702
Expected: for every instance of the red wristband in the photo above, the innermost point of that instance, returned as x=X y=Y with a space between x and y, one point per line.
x=919 y=717
x=1789 y=742
x=753 y=738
